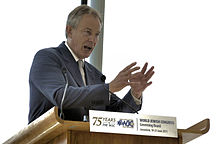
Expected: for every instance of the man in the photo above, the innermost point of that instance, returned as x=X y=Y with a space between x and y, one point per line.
x=62 y=69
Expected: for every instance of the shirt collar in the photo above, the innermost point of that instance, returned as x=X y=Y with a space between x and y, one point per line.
x=73 y=54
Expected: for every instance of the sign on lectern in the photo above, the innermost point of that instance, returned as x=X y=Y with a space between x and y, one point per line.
x=136 y=124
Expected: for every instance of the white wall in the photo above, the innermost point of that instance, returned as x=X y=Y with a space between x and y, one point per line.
x=26 y=26
x=180 y=38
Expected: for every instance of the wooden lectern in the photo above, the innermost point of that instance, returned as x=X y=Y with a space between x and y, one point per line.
x=50 y=129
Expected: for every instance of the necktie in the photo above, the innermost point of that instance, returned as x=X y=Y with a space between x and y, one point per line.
x=81 y=69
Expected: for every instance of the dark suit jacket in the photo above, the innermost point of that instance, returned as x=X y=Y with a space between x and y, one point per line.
x=47 y=83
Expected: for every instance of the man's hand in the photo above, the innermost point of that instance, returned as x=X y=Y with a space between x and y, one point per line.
x=122 y=79
x=140 y=81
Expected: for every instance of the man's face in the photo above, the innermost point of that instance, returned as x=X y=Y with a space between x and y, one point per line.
x=83 y=39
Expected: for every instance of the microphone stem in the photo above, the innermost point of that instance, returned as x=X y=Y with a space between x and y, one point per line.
x=122 y=100
x=64 y=94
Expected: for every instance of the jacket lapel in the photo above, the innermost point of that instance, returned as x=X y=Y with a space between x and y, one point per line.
x=74 y=70
x=89 y=74
x=71 y=64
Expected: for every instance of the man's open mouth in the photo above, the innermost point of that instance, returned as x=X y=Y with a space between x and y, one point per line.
x=88 y=47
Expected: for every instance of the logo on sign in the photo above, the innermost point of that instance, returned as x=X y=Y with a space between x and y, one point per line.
x=126 y=123
x=104 y=121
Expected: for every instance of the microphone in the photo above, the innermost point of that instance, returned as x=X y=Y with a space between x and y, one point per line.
x=64 y=94
x=121 y=100
x=103 y=77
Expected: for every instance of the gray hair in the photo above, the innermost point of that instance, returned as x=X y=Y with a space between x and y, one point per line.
x=75 y=15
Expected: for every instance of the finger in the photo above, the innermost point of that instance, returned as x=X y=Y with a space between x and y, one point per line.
x=150 y=70
x=144 y=68
x=132 y=70
x=148 y=84
x=129 y=66
x=148 y=77
x=125 y=76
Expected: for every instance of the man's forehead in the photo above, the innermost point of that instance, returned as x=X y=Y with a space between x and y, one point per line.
x=90 y=22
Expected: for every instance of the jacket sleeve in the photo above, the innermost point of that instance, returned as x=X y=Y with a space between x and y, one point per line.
x=47 y=77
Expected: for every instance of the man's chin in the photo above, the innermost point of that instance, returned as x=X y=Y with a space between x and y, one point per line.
x=86 y=56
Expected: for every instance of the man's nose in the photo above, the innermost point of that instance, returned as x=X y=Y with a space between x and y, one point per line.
x=93 y=39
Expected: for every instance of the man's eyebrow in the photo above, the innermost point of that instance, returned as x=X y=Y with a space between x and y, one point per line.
x=87 y=28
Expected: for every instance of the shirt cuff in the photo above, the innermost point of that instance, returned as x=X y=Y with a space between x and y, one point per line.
x=109 y=97
x=136 y=100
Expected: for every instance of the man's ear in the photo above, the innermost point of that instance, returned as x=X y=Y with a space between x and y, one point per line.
x=69 y=31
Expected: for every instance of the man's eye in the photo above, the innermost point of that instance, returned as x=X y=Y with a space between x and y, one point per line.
x=88 y=32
